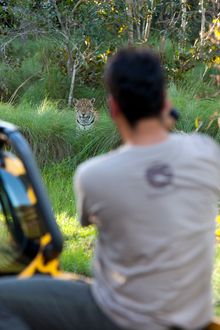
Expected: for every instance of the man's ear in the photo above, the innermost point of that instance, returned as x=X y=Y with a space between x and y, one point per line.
x=167 y=107
x=167 y=120
x=113 y=107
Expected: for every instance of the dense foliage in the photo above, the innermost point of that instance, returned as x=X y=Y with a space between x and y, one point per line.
x=49 y=48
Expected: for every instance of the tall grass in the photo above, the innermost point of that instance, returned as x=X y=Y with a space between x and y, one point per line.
x=53 y=133
x=194 y=98
x=49 y=132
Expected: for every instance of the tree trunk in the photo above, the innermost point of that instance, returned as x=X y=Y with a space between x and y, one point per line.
x=183 y=23
x=70 y=98
x=184 y=17
x=137 y=19
x=129 y=8
x=70 y=61
x=146 y=32
x=202 y=30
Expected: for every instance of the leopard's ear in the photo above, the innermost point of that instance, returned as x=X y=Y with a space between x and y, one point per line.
x=75 y=102
x=92 y=100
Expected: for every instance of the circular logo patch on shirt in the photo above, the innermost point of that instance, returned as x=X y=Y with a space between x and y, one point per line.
x=160 y=175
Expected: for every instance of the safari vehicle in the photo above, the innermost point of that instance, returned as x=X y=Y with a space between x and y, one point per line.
x=30 y=240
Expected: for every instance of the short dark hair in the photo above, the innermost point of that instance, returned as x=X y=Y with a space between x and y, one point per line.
x=136 y=80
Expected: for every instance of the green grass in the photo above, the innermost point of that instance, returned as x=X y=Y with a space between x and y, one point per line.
x=192 y=106
x=78 y=242
x=216 y=281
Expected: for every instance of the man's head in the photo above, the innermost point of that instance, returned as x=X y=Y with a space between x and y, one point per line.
x=136 y=82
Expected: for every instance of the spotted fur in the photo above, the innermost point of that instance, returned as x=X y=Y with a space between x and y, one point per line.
x=85 y=113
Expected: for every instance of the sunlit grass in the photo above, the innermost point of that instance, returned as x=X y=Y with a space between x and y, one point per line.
x=78 y=245
x=216 y=281
x=78 y=242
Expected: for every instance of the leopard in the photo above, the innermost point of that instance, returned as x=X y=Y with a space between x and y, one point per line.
x=86 y=115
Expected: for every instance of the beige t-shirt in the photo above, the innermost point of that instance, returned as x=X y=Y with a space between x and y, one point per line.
x=154 y=207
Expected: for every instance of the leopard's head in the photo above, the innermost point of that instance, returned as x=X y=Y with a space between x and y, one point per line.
x=85 y=113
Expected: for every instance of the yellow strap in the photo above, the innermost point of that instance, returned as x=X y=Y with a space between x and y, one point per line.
x=38 y=265
x=51 y=268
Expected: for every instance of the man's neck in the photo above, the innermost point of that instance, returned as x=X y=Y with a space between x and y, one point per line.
x=146 y=132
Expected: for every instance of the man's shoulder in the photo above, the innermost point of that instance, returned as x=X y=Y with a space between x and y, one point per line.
x=92 y=163
x=204 y=141
x=96 y=165
x=202 y=138
x=198 y=145
x=197 y=140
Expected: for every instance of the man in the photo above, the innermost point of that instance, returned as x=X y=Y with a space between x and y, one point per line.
x=154 y=201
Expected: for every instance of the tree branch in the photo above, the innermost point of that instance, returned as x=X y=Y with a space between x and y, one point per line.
x=77 y=5
x=59 y=16
x=19 y=87
x=70 y=98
